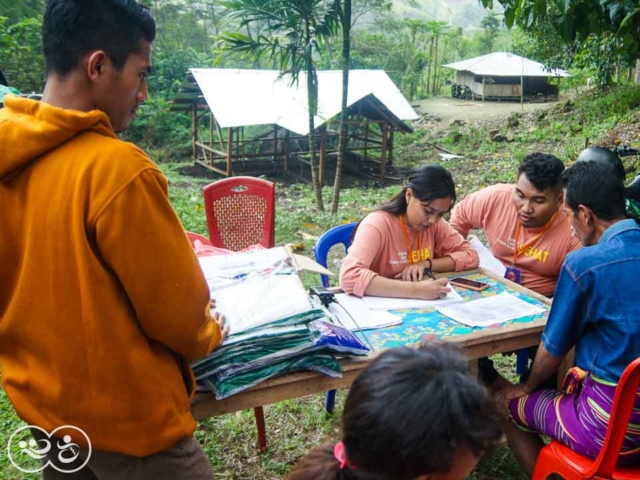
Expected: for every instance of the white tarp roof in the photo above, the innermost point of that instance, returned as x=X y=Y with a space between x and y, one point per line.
x=502 y=64
x=241 y=98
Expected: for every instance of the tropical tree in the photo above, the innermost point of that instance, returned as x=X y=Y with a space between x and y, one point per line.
x=350 y=13
x=21 y=56
x=345 y=20
x=579 y=19
x=415 y=57
x=490 y=24
x=182 y=42
x=293 y=32
x=18 y=11
x=437 y=29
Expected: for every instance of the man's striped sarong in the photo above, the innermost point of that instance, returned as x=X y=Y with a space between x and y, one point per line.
x=578 y=415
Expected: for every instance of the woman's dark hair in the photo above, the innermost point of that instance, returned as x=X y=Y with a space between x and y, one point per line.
x=72 y=28
x=408 y=414
x=427 y=183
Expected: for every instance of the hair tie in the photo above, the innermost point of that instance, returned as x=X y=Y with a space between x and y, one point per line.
x=340 y=455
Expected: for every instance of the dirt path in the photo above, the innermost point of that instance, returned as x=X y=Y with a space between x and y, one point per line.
x=449 y=109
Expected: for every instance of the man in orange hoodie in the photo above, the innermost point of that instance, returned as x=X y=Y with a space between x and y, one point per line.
x=102 y=302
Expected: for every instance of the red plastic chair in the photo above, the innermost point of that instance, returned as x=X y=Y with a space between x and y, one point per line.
x=559 y=459
x=196 y=236
x=240 y=213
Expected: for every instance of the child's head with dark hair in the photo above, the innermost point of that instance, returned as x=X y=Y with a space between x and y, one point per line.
x=72 y=28
x=412 y=413
x=426 y=197
x=537 y=195
x=593 y=194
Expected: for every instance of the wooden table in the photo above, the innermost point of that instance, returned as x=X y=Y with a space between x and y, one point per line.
x=479 y=343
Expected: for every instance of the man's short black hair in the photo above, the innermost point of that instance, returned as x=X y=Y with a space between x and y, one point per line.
x=542 y=170
x=72 y=28
x=596 y=186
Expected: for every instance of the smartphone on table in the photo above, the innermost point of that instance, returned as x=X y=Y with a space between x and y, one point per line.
x=467 y=283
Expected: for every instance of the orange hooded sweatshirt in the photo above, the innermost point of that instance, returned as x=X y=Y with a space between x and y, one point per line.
x=102 y=301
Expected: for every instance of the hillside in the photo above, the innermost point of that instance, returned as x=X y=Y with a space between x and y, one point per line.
x=460 y=13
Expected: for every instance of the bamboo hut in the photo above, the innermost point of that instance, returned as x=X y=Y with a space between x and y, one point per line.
x=253 y=122
x=506 y=76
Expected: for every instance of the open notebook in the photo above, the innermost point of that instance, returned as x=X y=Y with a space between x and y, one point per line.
x=353 y=313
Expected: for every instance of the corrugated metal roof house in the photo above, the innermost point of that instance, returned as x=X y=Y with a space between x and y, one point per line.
x=502 y=75
x=236 y=99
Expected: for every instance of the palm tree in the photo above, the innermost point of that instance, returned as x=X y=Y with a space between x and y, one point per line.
x=345 y=19
x=294 y=31
x=436 y=29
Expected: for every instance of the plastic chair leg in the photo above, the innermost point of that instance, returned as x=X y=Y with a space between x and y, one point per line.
x=522 y=361
x=550 y=467
x=262 y=431
x=330 y=401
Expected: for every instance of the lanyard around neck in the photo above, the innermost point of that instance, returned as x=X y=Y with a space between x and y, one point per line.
x=516 y=250
x=408 y=242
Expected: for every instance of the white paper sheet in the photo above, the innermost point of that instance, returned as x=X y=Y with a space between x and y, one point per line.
x=251 y=304
x=487 y=260
x=491 y=310
x=387 y=303
x=364 y=317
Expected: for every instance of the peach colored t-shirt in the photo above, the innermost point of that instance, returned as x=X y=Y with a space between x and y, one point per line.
x=380 y=248
x=492 y=210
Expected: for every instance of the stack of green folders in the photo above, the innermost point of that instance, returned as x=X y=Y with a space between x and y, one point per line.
x=275 y=327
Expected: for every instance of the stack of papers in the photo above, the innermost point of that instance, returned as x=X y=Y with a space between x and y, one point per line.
x=258 y=288
x=492 y=310
x=253 y=358
x=274 y=326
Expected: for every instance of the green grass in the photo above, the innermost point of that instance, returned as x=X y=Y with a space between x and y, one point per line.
x=295 y=426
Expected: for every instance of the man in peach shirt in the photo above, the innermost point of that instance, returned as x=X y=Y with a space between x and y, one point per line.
x=524 y=227
x=522 y=223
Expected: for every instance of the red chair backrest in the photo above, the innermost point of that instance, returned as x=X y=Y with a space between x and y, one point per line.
x=196 y=236
x=623 y=403
x=240 y=212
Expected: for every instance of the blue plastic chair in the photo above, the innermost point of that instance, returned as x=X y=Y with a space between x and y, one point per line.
x=333 y=236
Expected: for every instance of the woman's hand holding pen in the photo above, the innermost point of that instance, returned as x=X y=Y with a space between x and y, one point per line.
x=416 y=272
x=431 y=289
x=424 y=284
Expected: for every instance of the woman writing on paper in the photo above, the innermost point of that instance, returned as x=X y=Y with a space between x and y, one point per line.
x=396 y=247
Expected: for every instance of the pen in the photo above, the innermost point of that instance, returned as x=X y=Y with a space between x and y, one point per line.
x=427 y=272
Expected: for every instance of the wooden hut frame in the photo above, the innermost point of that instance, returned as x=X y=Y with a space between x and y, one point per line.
x=371 y=128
